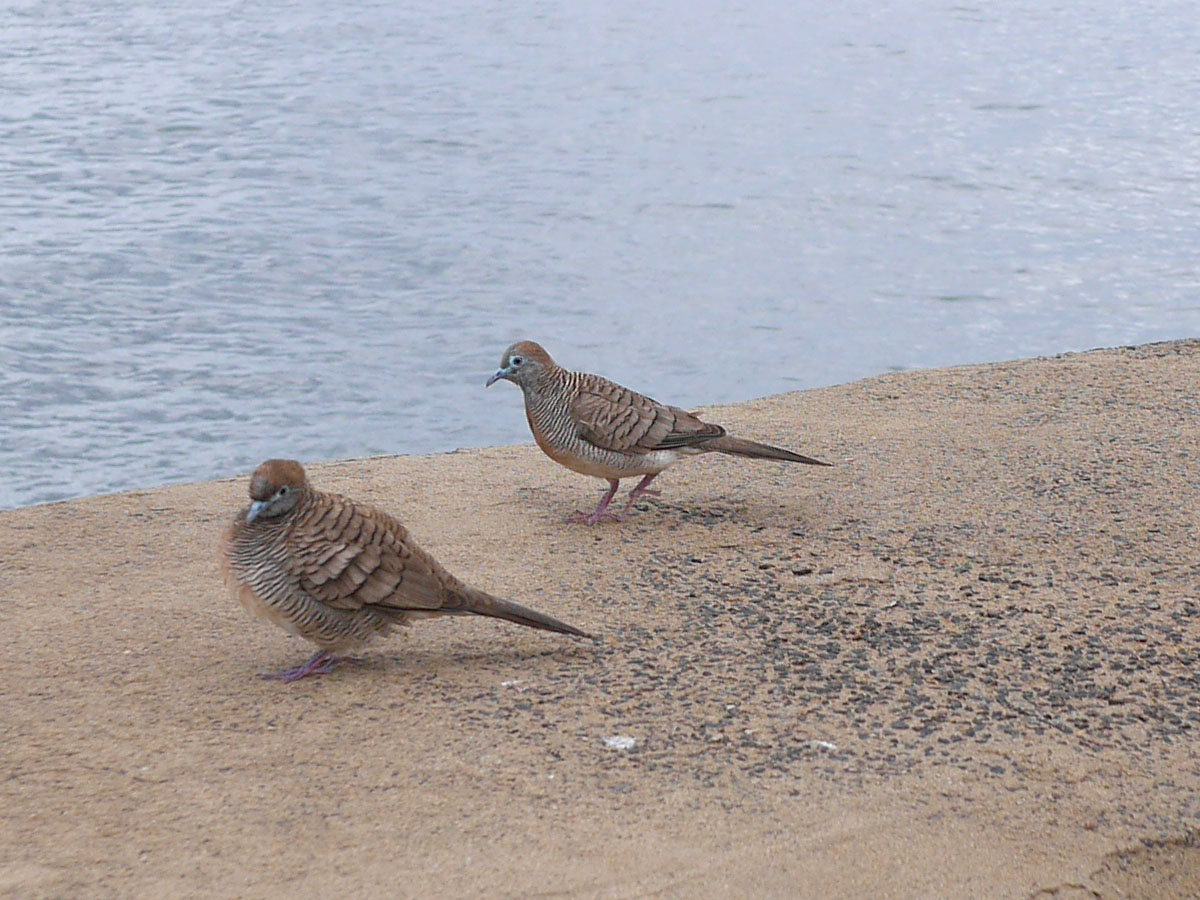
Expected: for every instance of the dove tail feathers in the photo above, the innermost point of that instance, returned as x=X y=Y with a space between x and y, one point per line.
x=486 y=605
x=754 y=450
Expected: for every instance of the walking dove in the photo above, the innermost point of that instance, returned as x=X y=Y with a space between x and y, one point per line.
x=340 y=573
x=596 y=427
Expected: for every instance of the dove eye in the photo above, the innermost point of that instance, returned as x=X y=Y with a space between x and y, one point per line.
x=283 y=490
x=516 y=360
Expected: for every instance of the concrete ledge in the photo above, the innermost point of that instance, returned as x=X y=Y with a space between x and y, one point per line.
x=962 y=663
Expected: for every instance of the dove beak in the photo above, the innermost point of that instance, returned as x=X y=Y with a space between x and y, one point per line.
x=500 y=373
x=255 y=509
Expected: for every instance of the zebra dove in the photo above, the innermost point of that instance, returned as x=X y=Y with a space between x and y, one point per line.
x=596 y=427
x=340 y=573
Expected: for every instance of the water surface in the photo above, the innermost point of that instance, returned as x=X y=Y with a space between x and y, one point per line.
x=231 y=231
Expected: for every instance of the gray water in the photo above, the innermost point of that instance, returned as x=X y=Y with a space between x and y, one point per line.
x=237 y=230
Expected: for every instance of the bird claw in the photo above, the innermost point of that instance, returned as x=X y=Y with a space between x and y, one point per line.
x=579 y=517
x=321 y=664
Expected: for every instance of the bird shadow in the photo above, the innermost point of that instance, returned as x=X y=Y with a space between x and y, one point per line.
x=425 y=663
x=751 y=513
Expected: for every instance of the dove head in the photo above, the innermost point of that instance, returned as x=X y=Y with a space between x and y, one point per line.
x=275 y=488
x=523 y=364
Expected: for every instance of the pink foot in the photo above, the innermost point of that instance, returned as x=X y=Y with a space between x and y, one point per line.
x=321 y=664
x=579 y=517
x=600 y=513
x=640 y=491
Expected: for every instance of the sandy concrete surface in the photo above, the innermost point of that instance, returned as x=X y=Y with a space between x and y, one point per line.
x=960 y=664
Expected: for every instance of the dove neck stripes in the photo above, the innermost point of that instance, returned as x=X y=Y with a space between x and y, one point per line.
x=547 y=406
x=261 y=557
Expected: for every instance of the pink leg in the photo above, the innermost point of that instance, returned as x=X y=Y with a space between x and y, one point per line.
x=641 y=489
x=321 y=664
x=599 y=513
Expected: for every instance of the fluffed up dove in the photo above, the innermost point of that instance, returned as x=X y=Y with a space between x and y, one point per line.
x=340 y=573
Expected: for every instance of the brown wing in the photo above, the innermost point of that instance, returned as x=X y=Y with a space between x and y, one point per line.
x=349 y=556
x=624 y=421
